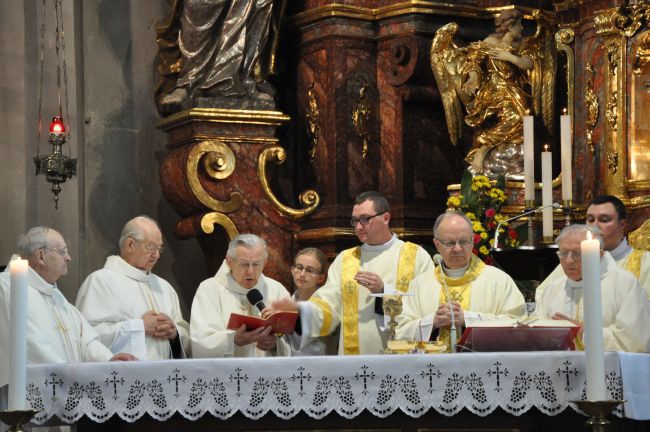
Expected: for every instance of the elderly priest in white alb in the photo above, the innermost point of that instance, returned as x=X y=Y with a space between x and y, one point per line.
x=225 y=293
x=626 y=309
x=131 y=308
x=56 y=331
x=477 y=291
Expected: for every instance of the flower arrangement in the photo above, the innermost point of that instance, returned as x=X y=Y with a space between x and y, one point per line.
x=481 y=201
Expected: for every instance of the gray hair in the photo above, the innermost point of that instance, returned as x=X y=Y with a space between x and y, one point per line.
x=447 y=215
x=249 y=241
x=133 y=229
x=572 y=230
x=33 y=240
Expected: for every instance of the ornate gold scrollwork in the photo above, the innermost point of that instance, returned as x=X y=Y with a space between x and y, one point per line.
x=563 y=38
x=612 y=162
x=360 y=119
x=309 y=198
x=642 y=55
x=313 y=121
x=219 y=163
x=629 y=20
x=210 y=219
x=592 y=108
x=611 y=111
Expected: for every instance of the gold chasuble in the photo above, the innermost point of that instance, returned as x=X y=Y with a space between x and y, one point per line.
x=350 y=294
x=459 y=291
x=633 y=264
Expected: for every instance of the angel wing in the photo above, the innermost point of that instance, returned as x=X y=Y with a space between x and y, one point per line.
x=540 y=47
x=446 y=58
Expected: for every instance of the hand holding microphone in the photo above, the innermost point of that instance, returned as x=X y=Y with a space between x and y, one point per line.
x=265 y=340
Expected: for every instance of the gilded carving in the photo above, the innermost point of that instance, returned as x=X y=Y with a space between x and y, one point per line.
x=612 y=162
x=642 y=55
x=218 y=163
x=612 y=101
x=361 y=118
x=564 y=38
x=592 y=108
x=210 y=219
x=313 y=122
x=628 y=20
x=309 y=198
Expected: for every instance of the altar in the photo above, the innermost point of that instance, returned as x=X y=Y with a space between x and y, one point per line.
x=496 y=391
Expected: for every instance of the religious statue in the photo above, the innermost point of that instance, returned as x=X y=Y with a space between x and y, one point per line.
x=225 y=52
x=496 y=80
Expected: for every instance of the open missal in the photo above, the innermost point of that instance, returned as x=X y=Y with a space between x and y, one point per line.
x=529 y=335
x=282 y=322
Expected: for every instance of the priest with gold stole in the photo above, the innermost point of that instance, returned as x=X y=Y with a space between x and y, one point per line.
x=382 y=264
x=625 y=307
x=473 y=289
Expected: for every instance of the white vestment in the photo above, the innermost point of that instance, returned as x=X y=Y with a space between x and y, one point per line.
x=493 y=296
x=626 y=309
x=326 y=345
x=621 y=255
x=56 y=331
x=114 y=298
x=214 y=301
x=373 y=334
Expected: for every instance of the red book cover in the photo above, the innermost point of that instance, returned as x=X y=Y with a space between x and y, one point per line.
x=518 y=338
x=282 y=322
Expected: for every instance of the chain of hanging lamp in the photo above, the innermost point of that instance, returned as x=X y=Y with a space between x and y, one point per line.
x=56 y=166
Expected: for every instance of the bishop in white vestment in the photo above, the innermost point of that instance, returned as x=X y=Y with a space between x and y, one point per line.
x=225 y=293
x=132 y=309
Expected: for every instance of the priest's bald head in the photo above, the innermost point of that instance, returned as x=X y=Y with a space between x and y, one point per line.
x=569 y=251
x=46 y=252
x=141 y=243
x=452 y=235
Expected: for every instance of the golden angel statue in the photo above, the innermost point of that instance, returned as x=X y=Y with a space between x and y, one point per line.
x=497 y=80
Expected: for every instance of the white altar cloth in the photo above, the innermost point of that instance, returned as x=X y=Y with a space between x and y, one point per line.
x=381 y=384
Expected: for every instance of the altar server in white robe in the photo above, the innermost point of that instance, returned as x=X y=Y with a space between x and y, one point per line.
x=56 y=331
x=382 y=264
x=130 y=307
x=477 y=292
x=626 y=309
x=225 y=293
x=608 y=214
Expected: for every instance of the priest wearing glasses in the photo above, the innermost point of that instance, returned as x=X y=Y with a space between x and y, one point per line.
x=475 y=291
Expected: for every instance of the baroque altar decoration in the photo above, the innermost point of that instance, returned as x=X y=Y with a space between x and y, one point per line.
x=481 y=201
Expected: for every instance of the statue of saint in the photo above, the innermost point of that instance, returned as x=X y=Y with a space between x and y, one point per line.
x=227 y=50
x=493 y=80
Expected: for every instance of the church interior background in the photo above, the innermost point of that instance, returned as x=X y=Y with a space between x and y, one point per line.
x=356 y=107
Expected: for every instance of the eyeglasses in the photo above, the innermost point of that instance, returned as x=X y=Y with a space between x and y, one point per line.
x=565 y=254
x=255 y=265
x=363 y=220
x=298 y=268
x=450 y=244
x=152 y=248
x=62 y=252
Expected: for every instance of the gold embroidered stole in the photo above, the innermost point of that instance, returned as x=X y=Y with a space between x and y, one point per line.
x=350 y=290
x=633 y=264
x=459 y=291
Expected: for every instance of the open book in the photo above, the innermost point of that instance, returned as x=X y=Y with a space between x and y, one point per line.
x=282 y=322
x=531 y=334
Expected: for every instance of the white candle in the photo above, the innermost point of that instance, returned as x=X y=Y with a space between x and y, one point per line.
x=18 y=334
x=529 y=159
x=565 y=141
x=593 y=324
x=547 y=192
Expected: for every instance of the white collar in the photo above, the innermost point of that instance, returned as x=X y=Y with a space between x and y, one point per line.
x=378 y=248
x=118 y=264
x=621 y=251
x=454 y=273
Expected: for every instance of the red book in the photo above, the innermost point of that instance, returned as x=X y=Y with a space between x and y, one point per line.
x=282 y=322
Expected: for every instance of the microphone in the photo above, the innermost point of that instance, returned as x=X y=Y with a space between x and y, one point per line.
x=495 y=245
x=437 y=260
x=255 y=298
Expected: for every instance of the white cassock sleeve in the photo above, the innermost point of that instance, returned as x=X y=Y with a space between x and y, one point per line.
x=208 y=321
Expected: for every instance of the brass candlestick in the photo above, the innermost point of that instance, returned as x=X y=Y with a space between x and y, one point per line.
x=16 y=419
x=598 y=410
x=567 y=209
x=530 y=205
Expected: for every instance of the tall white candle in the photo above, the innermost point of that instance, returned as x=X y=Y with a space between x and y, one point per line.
x=547 y=192
x=18 y=334
x=529 y=158
x=565 y=142
x=593 y=324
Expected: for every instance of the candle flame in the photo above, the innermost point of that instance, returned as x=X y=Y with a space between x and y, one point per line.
x=589 y=236
x=546 y=147
x=564 y=111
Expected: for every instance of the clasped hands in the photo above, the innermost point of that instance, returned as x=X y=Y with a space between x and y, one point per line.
x=159 y=326
x=442 y=318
